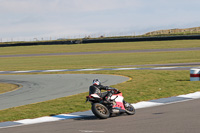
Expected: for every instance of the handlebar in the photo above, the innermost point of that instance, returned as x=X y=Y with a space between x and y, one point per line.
x=116 y=91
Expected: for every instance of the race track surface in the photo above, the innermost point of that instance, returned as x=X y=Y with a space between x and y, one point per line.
x=38 y=88
x=173 y=118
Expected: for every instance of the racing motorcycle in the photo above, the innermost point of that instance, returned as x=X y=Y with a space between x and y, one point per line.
x=103 y=109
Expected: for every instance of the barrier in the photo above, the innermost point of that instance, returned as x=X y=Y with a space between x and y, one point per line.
x=103 y=40
x=195 y=74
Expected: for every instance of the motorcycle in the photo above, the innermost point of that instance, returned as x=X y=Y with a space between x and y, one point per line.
x=103 y=109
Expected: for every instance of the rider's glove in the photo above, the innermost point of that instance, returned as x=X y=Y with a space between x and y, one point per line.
x=111 y=91
x=107 y=88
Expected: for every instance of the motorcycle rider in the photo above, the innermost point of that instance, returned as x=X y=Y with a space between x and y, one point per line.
x=96 y=88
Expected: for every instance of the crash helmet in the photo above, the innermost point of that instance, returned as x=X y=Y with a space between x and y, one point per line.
x=96 y=82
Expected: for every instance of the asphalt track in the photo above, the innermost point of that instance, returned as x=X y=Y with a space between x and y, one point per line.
x=173 y=118
x=38 y=88
x=105 y=52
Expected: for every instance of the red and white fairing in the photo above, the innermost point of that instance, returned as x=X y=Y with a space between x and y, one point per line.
x=119 y=101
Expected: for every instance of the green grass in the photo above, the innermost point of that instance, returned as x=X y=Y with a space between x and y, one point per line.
x=145 y=85
x=96 y=61
x=5 y=87
x=98 y=47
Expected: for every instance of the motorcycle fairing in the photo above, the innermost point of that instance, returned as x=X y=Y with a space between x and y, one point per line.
x=119 y=101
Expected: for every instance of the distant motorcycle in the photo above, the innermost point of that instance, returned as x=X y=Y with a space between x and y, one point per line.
x=103 y=109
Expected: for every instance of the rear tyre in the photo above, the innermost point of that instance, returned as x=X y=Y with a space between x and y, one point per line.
x=100 y=111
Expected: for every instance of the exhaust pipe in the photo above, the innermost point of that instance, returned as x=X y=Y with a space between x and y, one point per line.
x=115 y=111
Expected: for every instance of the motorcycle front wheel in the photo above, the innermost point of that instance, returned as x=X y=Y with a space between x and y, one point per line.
x=100 y=111
x=130 y=110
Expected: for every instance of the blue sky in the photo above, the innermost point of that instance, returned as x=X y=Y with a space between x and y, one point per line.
x=28 y=19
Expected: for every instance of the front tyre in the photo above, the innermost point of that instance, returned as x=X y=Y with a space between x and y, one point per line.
x=130 y=110
x=100 y=111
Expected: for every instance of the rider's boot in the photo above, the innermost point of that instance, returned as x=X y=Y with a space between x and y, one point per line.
x=108 y=98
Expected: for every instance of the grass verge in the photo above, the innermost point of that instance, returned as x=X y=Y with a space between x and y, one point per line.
x=145 y=85
x=41 y=49
x=96 y=60
x=5 y=87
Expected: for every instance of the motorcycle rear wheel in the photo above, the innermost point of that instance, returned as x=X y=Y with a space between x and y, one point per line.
x=100 y=111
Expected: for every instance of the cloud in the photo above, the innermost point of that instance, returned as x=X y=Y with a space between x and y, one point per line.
x=41 y=6
x=75 y=17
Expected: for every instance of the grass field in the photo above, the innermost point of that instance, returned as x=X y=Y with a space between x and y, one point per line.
x=4 y=87
x=145 y=84
x=96 y=61
x=98 y=47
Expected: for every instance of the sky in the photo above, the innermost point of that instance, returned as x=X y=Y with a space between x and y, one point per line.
x=24 y=20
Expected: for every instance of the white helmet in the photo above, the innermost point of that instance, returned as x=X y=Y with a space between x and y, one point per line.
x=96 y=82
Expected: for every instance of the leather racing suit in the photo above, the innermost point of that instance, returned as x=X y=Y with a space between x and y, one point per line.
x=96 y=89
